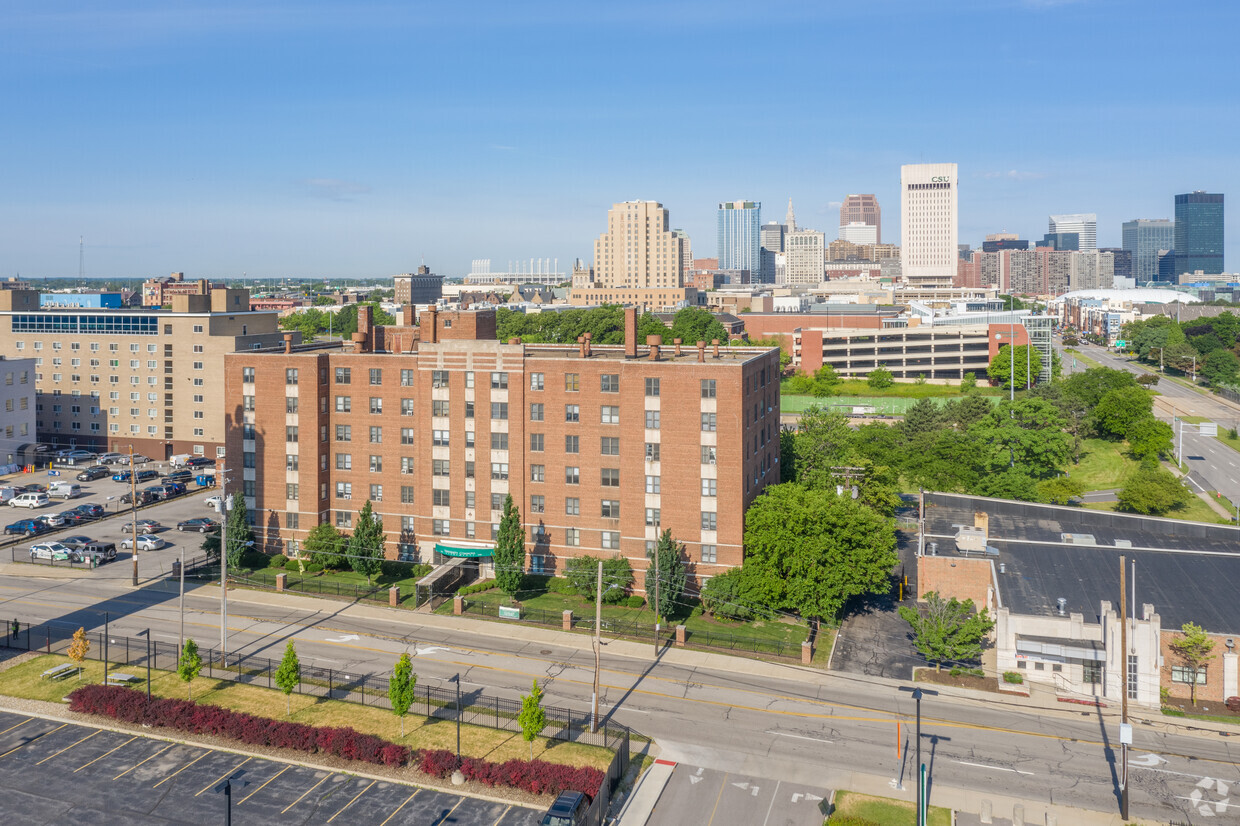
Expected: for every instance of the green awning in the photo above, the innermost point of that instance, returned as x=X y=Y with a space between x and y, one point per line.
x=448 y=550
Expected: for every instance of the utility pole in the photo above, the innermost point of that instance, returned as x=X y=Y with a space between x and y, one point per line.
x=1125 y=733
x=220 y=471
x=133 y=506
x=598 y=643
x=1012 y=348
x=657 y=615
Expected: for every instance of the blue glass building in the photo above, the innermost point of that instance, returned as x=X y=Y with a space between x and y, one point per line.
x=739 y=238
x=1199 y=233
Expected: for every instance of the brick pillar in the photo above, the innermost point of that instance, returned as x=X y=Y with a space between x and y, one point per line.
x=566 y=621
x=458 y=605
x=807 y=653
x=393 y=596
x=680 y=636
x=281 y=582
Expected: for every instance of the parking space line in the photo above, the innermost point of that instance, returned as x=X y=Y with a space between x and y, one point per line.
x=502 y=816
x=66 y=748
x=32 y=739
x=723 y=785
x=22 y=723
x=220 y=779
x=183 y=768
x=260 y=788
x=306 y=792
x=152 y=757
x=351 y=802
x=444 y=819
x=100 y=757
x=401 y=806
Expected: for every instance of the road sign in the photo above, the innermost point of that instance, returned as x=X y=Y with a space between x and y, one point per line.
x=1121 y=343
x=53 y=473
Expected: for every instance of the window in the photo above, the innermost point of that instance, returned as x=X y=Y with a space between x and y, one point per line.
x=652 y=517
x=406 y=494
x=536 y=442
x=499 y=470
x=652 y=420
x=439 y=438
x=292 y=520
x=497 y=501
x=610 y=445
x=499 y=441
x=536 y=381
x=572 y=413
x=610 y=383
x=469 y=410
x=439 y=407
x=441 y=498
x=708 y=487
x=611 y=540
x=290 y=460
x=708 y=454
x=652 y=451
x=376 y=464
x=572 y=537
x=610 y=414
x=610 y=477
x=708 y=422
x=654 y=484
x=406 y=407
x=376 y=376
x=290 y=375
x=376 y=493
x=439 y=378
x=499 y=410
x=376 y=434
x=710 y=521
x=469 y=470
x=708 y=553
x=572 y=444
x=1181 y=674
x=652 y=387
x=708 y=388
x=291 y=491
x=344 y=461
x=610 y=508
x=441 y=467
x=469 y=379
x=344 y=432
x=537 y=504
x=572 y=475
x=344 y=490
x=571 y=382
x=344 y=404
x=248 y=459
x=439 y=527
x=406 y=524
x=406 y=378
x=344 y=375
x=406 y=435
x=469 y=438
x=499 y=381
x=247 y=402
x=469 y=499
x=536 y=412
x=1132 y=676
x=376 y=404
x=247 y=373
x=537 y=473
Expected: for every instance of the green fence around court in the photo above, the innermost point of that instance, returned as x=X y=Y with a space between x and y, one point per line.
x=861 y=405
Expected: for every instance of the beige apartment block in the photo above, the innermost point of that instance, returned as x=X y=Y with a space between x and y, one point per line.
x=805 y=253
x=639 y=249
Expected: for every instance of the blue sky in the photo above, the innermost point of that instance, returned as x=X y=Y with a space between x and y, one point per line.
x=359 y=139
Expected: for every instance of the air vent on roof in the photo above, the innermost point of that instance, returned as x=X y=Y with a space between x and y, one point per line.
x=1063 y=603
x=1078 y=538
x=1123 y=543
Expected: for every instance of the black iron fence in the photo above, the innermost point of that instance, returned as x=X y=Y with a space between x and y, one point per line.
x=322 y=586
x=437 y=702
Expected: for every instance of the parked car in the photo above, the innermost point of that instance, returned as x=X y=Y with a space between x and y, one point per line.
x=33 y=488
x=568 y=810
x=199 y=461
x=75 y=518
x=109 y=458
x=50 y=550
x=78 y=457
x=64 y=490
x=146 y=542
x=29 y=500
x=26 y=527
x=150 y=526
x=144 y=475
x=144 y=497
x=98 y=552
x=199 y=523
x=52 y=520
x=90 y=510
x=7 y=493
x=214 y=502
x=122 y=476
x=184 y=477
x=174 y=488
x=92 y=473
x=136 y=459
x=75 y=542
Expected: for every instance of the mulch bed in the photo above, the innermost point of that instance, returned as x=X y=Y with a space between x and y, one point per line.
x=929 y=675
x=1213 y=708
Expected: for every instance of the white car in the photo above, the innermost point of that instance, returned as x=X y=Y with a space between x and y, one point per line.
x=146 y=542
x=50 y=550
x=138 y=459
x=29 y=500
x=110 y=458
x=53 y=520
x=214 y=502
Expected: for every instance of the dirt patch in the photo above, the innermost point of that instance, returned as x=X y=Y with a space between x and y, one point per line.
x=1213 y=708
x=929 y=675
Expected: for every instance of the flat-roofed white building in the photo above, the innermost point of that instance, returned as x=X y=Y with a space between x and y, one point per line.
x=929 y=223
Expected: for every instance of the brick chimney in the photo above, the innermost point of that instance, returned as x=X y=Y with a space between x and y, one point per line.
x=430 y=329
x=714 y=342
x=676 y=341
x=654 y=343
x=288 y=343
x=407 y=315
x=588 y=337
x=581 y=346
x=630 y=332
x=701 y=351
x=365 y=320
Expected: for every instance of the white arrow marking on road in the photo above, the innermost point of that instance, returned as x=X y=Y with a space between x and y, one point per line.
x=1148 y=761
x=799 y=736
x=994 y=768
x=693 y=779
x=809 y=798
x=742 y=786
x=345 y=638
x=430 y=649
x=796 y=798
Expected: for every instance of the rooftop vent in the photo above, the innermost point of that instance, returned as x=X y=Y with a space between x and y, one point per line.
x=1123 y=543
x=1063 y=603
x=1078 y=538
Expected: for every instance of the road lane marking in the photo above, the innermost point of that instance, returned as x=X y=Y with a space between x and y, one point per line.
x=220 y=779
x=19 y=725
x=496 y=823
x=32 y=739
x=354 y=800
x=767 y=819
x=306 y=792
x=994 y=768
x=260 y=788
x=415 y=794
x=66 y=748
x=100 y=757
x=722 y=785
x=799 y=736
x=183 y=768
x=152 y=757
x=448 y=814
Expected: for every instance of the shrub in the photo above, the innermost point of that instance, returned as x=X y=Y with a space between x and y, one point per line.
x=635 y=601
x=1233 y=434
x=850 y=820
x=476 y=588
x=277 y=561
x=403 y=570
x=967 y=672
x=1012 y=677
x=1233 y=704
x=254 y=560
x=314 y=568
x=560 y=585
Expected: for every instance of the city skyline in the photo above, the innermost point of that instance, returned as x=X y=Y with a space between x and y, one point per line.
x=220 y=139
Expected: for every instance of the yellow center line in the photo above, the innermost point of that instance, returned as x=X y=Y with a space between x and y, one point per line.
x=225 y=774
x=32 y=739
x=401 y=806
x=444 y=819
x=66 y=748
x=22 y=723
x=718 y=797
x=152 y=757
x=100 y=757
x=183 y=768
x=306 y=792
x=260 y=788
x=351 y=802
x=496 y=823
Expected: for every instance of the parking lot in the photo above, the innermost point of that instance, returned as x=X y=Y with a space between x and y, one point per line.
x=714 y=798
x=69 y=773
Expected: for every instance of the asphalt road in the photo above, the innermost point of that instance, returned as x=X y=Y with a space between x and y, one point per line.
x=790 y=726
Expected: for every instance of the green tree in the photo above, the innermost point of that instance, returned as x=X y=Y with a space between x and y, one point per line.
x=1059 y=491
x=823 y=442
x=948 y=630
x=1149 y=438
x=1028 y=434
x=945 y=460
x=787 y=455
x=1010 y=483
x=968 y=382
x=237 y=533
x=1152 y=491
x=617 y=579
x=510 y=550
x=1221 y=368
x=188 y=665
x=1088 y=387
x=400 y=688
x=667 y=565
x=532 y=719
x=826 y=382
x=811 y=551
x=922 y=417
x=879 y=378
x=723 y=596
x=288 y=676
x=650 y=325
x=1119 y=410
x=1194 y=649
x=366 y=545
x=693 y=324
x=1026 y=361
x=326 y=546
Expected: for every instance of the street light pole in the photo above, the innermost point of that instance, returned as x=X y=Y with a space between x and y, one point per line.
x=921 y=769
x=457 y=679
x=133 y=506
x=182 y=599
x=598 y=644
x=220 y=471
x=1124 y=735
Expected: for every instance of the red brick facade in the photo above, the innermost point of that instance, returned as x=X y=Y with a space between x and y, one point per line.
x=959 y=577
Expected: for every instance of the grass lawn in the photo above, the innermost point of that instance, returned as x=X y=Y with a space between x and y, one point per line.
x=1195 y=511
x=1081 y=357
x=268 y=576
x=906 y=390
x=891 y=405
x=421 y=732
x=1222 y=436
x=884 y=811
x=1104 y=465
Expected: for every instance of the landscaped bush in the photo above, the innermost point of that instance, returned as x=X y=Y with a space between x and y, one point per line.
x=534 y=776
x=403 y=570
x=277 y=561
x=476 y=588
x=1012 y=677
x=314 y=568
x=560 y=585
x=635 y=601
x=254 y=560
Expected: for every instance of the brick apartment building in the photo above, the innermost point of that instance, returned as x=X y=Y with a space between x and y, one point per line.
x=436 y=424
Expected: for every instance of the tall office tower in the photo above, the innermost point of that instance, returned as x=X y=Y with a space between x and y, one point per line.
x=1199 y=233
x=686 y=251
x=638 y=250
x=739 y=224
x=859 y=233
x=805 y=260
x=862 y=209
x=1122 y=261
x=771 y=240
x=790 y=220
x=1062 y=241
x=929 y=220
x=1143 y=238
x=1084 y=224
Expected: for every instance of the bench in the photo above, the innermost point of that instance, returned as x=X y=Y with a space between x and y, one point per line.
x=116 y=678
x=60 y=672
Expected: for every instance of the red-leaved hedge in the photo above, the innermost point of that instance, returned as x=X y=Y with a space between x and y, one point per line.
x=129 y=706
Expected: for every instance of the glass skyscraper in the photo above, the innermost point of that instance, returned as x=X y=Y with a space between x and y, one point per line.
x=739 y=239
x=1199 y=233
x=1143 y=238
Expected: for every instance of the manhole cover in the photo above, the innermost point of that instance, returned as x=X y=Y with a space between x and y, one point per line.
x=545 y=651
